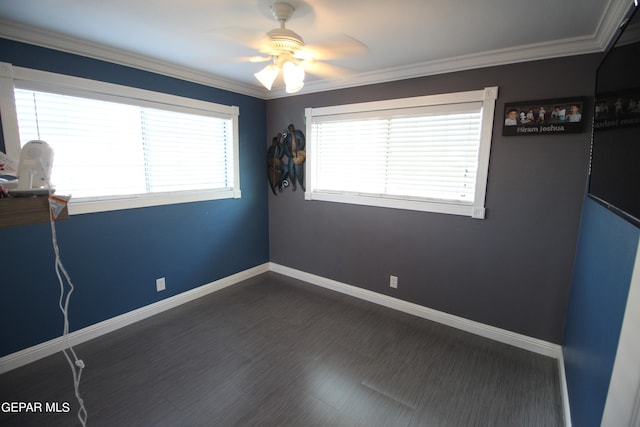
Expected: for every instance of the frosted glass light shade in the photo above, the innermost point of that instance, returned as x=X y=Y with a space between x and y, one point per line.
x=267 y=75
x=293 y=77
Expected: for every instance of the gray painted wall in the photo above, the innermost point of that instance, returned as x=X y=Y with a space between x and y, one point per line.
x=511 y=270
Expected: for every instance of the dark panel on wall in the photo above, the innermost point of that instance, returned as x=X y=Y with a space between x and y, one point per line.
x=604 y=265
x=115 y=257
x=512 y=270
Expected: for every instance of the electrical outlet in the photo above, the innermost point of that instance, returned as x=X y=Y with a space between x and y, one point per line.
x=393 y=281
x=160 y=284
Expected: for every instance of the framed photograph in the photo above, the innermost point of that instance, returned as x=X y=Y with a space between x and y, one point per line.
x=544 y=117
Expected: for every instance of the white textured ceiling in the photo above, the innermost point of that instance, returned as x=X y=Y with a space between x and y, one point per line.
x=202 y=40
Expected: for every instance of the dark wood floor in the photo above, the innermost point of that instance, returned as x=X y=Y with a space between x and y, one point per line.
x=276 y=352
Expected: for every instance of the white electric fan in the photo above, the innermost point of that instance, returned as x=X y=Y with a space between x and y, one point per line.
x=34 y=169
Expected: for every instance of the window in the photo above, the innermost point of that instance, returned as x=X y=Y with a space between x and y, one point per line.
x=427 y=153
x=117 y=147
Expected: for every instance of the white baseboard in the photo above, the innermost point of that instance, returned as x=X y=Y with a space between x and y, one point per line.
x=55 y=345
x=535 y=345
x=497 y=334
x=564 y=391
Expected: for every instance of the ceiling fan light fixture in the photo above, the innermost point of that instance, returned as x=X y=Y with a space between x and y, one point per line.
x=267 y=75
x=283 y=46
x=293 y=76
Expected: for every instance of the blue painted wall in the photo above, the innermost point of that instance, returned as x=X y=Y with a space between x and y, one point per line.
x=115 y=257
x=602 y=276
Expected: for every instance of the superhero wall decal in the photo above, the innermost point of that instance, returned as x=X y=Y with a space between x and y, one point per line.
x=285 y=160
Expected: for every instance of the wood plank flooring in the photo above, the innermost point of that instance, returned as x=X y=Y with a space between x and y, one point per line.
x=273 y=351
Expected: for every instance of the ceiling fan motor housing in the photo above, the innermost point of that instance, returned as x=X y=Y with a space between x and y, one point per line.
x=282 y=40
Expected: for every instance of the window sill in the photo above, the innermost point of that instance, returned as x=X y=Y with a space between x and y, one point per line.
x=463 y=209
x=86 y=205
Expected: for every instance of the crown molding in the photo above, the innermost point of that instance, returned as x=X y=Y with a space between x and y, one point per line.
x=53 y=40
x=609 y=23
x=612 y=17
x=512 y=55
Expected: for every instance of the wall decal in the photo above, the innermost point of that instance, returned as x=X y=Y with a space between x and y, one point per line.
x=285 y=160
x=543 y=117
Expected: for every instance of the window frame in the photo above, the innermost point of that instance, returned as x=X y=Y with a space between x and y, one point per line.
x=25 y=78
x=487 y=97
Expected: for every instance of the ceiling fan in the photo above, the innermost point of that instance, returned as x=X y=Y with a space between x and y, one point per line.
x=289 y=54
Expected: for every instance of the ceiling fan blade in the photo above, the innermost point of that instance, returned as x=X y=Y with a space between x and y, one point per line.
x=247 y=37
x=323 y=69
x=257 y=58
x=337 y=47
x=238 y=59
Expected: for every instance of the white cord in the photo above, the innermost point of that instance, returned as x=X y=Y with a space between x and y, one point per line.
x=77 y=365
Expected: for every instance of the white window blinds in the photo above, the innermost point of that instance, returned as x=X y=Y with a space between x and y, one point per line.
x=426 y=153
x=109 y=149
x=120 y=147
